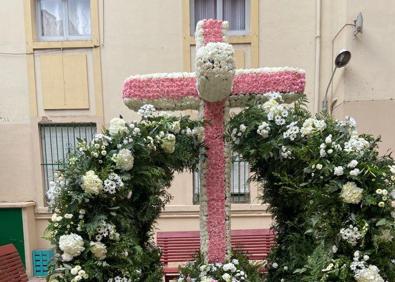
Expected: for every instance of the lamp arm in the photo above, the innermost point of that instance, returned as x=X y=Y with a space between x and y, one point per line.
x=325 y=101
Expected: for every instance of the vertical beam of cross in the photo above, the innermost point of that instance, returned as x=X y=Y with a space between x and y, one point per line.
x=214 y=205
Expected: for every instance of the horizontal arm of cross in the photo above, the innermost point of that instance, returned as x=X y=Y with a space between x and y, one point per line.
x=177 y=91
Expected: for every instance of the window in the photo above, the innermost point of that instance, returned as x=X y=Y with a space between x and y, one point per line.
x=233 y=11
x=63 y=19
x=240 y=189
x=57 y=142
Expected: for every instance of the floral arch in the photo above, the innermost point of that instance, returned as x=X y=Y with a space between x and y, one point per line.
x=107 y=199
x=329 y=191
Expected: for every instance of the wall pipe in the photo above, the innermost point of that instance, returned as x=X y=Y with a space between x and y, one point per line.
x=317 y=71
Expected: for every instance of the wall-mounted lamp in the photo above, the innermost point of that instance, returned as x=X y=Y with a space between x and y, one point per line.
x=344 y=56
x=341 y=61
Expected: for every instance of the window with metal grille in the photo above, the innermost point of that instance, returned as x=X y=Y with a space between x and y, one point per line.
x=233 y=11
x=240 y=188
x=57 y=142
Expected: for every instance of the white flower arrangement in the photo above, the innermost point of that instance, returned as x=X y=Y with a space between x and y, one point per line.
x=147 y=110
x=105 y=230
x=91 y=183
x=351 y=234
x=55 y=187
x=79 y=272
x=351 y=193
x=98 y=249
x=338 y=171
x=364 y=272
x=124 y=160
x=215 y=68
x=229 y=272
x=117 y=125
x=72 y=246
x=263 y=129
x=355 y=144
x=312 y=125
x=113 y=183
x=285 y=152
x=169 y=143
x=292 y=131
x=119 y=279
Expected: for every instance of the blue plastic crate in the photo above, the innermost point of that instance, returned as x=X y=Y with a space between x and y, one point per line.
x=41 y=260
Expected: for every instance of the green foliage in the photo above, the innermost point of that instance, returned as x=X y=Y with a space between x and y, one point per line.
x=159 y=146
x=304 y=163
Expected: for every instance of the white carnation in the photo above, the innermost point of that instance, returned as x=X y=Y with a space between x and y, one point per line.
x=91 y=183
x=339 y=170
x=351 y=193
x=355 y=172
x=72 y=245
x=352 y=164
x=98 y=249
x=124 y=160
x=117 y=125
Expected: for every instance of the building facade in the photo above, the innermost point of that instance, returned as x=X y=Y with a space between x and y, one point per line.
x=63 y=63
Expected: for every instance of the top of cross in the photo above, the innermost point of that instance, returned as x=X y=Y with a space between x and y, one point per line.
x=177 y=91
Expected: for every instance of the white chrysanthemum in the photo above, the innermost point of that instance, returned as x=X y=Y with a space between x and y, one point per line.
x=369 y=274
x=117 y=125
x=169 y=143
x=351 y=193
x=72 y=245
x=98 y=249
x=124 y=160
x=91 y=183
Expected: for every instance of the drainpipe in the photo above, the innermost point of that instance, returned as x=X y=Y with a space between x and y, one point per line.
x=317 y=57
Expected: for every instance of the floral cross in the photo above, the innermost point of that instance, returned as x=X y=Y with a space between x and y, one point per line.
x=213 y=89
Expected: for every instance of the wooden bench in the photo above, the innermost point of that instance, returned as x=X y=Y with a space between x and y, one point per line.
x=180 y=247
x=11 y=267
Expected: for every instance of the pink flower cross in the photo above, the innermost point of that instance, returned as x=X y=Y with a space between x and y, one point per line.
x=179 y=91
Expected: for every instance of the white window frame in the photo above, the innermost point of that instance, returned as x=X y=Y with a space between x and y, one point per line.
x=220 y=17
x=66 y=36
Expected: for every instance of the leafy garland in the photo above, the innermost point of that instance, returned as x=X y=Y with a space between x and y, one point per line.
x=110 y=194
x=328 y=189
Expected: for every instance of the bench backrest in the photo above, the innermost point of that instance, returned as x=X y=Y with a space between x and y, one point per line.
x=182 y=246
x=11 y=267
